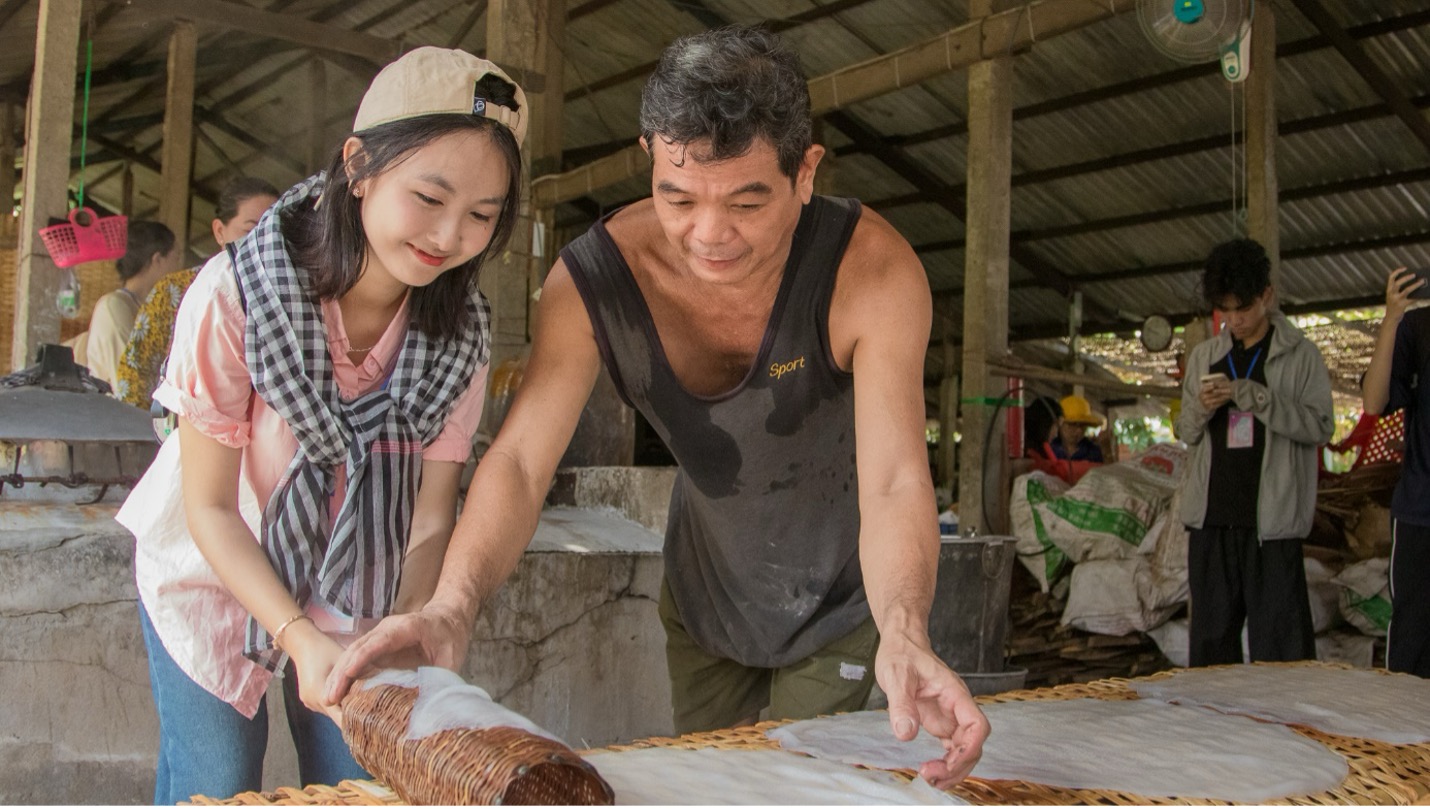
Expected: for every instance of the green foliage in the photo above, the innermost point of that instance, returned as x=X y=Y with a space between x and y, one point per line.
x=1138 y=434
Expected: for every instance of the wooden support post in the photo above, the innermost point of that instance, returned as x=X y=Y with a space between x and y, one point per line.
x=126 y=190
x=178 y=150
x=317 y=95
x=1012 y=29
x=7 y=173
x=518 y=39
x=985 y=307
x=824 y=176
x=946 y=461
x=1262 y=187
x=1075 y=363
x=47 y=170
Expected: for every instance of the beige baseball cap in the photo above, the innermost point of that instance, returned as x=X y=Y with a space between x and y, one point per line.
x=431 y=81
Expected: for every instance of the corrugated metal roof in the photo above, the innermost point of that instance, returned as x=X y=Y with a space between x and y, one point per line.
x=1157 y=137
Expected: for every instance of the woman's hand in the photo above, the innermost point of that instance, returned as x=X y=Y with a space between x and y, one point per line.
x=314 y=654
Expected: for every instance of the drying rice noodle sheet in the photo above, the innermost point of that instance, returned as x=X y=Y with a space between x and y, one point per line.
x=1391 y=708
x=1137 y=747
x=712 y=776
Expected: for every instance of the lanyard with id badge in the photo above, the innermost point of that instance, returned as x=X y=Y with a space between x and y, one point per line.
x=1241 y=424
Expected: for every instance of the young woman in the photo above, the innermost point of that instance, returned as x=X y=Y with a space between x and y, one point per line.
x=327 y=373
x=240 y=203
x=149 y=255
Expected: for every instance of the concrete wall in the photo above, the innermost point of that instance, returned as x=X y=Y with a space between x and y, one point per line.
x=641 y=494
x=572 y=641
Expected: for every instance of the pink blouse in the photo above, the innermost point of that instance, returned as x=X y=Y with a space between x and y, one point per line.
x=199 y=621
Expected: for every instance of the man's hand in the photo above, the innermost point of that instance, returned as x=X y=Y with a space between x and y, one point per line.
x=1215 y=394
x=433 y=636
x=923 y=692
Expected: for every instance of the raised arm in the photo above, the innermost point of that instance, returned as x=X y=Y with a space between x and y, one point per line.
x=883 y=302
x=505 y=497
x=1375 y=388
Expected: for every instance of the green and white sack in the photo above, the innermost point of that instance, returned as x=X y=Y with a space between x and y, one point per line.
x=1036 y=551
x=1110 y=511
x=1365 y=595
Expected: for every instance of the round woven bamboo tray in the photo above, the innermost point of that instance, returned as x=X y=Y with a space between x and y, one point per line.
x=1379 y=773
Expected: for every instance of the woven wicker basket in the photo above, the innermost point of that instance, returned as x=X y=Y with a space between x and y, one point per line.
x=487 y=766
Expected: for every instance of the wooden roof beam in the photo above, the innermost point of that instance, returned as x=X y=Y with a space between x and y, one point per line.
x=1138 y=85
x=1379 y=81
x=1380 y=180
x=283 y=27
x=911 y=171
x=474 y=16
x=1194 y=266
x=952 y=50
x=644 y=69
x=1188 y=267
x=201 y=190
x=1125 y=329
x=9 y=9
x=1156 y=153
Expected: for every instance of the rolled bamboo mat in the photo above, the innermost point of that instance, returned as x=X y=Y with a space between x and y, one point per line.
x=471 y=766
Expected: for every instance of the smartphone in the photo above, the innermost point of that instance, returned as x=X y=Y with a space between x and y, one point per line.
x=1423 y=293
x=1209 y=379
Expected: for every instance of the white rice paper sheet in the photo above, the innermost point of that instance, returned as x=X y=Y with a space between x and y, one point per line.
x=1392 y=708
x=447 y=702
x=1139 y=747
x=665 y=776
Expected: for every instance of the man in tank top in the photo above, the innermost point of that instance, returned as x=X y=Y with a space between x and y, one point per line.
x=775 y=339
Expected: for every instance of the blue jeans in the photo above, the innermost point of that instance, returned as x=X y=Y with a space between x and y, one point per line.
x=206 y=747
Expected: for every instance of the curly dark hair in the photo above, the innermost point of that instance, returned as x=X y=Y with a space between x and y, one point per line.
x=730 y=86
x=1239 y=269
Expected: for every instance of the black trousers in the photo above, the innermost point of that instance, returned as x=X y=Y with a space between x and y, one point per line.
x=1408 y=641
x=1235 y=580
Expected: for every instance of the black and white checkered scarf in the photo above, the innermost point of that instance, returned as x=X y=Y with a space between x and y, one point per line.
x=353 y=568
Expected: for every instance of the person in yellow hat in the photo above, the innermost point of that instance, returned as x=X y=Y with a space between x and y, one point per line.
x=1072 y=443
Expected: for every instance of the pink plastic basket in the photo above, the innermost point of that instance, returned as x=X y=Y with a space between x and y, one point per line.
x=71 y=243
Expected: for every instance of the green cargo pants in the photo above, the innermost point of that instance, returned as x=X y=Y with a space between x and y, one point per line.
x=710 y=693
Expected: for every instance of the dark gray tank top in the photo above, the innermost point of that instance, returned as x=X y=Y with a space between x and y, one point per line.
x=762 y=542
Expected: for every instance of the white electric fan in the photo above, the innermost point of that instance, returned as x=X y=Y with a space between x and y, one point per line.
x=1200 y=31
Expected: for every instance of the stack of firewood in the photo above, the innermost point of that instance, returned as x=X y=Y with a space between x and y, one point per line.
x=1055 y=654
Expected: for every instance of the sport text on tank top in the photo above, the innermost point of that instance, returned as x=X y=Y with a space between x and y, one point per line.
x=761 y=545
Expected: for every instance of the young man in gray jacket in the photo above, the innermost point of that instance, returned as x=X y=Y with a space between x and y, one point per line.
x=1256 y=405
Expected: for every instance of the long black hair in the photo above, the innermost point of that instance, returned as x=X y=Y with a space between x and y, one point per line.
x=329 y=243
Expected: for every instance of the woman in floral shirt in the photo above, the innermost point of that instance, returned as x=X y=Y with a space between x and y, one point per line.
x=240 y=204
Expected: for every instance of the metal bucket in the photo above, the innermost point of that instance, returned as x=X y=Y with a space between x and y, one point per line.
x=969 y=619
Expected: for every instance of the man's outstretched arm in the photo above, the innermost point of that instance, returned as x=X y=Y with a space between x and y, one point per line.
x=890 y=309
